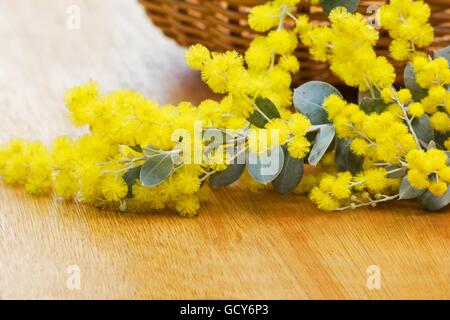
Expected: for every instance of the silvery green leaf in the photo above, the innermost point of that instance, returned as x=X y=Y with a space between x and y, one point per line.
x=136 y=148
x=150 y=151
x=309 y=97
x=369 y=94
x=443 y=53
x=230 y=175
x=130 y=178
x=424 y=131
x=329 y=5
x=431 y=202
x=398 y=171
x=291 y=174
x=346 y=159
x=156 y=169
x=417 y=92
x=373 y=105
x=322 y=142
x=440 y=138
x=268 y=108
x=407 y=191
x=266 y=167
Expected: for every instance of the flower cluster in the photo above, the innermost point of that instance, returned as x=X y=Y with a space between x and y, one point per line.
x=348 y=45
x=392 y=144
x=407 y=23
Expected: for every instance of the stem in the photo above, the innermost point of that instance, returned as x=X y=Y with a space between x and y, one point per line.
x=407 y=119
x=371 y=203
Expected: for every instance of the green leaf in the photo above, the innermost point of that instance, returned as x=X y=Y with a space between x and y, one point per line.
x=400 y=171
x=346 y=159
x=268 y=108
x=291 y=174
x=309 y=97
x=323 y=141
x=373 y=105
x=424 y=131
x=156 y=169
x=329 y=5
x=417 y=92
x=136 y=148
x=368 y=94
x=265 y=168
x=431 y=202
x=443 y=53
x=230 y=175
x=130 y=178
x=407 y=191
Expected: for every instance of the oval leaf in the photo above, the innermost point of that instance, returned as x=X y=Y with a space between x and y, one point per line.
x=309 y=97
x=323 y=141
x=431 y=202
x=329 y=5
x=443 y=53
x=130 y=178
x=424 y=131
x=230 y=175
x=266 y=167
x=156 y=169
x=346 y=159
x=407 y=191
x=368 y=94
x=373 y=105
x=409 y=75
x=268 y=108
x=291 y=174
x=395 y=171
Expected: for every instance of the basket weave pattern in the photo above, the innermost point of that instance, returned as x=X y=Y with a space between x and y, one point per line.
x=222 y=25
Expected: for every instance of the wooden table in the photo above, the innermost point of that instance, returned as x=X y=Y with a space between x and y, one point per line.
x=242 y=246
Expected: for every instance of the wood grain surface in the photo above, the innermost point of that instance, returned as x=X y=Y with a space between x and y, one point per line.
x=240 y=247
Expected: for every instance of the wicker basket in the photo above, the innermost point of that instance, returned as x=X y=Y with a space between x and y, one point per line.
x=222 y=25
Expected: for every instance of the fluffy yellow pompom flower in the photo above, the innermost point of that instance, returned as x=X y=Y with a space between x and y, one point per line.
x=299 y=124
x=416 y=110
x=375 y=180
x=360 y=146
x=404 y=95
x=424 y=164
x=407 y=23
x=78 y=101
x=298 y=147
x=114 y=188
x=187 y=206
x=281 y=128
x=196 y=56
x=323 y=200
x=258 y=56
x=289 y=63
x=400 y=49
x=187 y=182
x=282 y=41
x=440 y=121
x=264 y=17
x=438 y=188
x=447 y=144
x=334 y=105
x=431 y=73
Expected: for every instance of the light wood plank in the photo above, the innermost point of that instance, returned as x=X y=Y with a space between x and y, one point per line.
x=241 y=246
